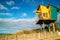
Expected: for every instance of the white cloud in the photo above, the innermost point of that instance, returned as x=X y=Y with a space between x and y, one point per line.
x=10 y=3
x=17 y=25
x=24 y=14
x=58 y=19
x=6 y=14
x=16 y=20
x=34 y=11
x=15 y=8
x=3 y=7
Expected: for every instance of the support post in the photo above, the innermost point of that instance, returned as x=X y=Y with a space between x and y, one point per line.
x=43 y=26
x=49 y=29
x=53 y=27
x=16 y=36
x=41 y=31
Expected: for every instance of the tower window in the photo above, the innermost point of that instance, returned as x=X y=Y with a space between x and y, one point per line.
x=45 y=14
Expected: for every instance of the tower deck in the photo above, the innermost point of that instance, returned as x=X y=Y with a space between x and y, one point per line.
x=45 y=21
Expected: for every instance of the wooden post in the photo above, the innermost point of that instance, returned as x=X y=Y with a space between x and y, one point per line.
x=41 y=31
x=53 y=27
x=16 y=36
x=43 y=26
x=7 y=36
x=49 y=29
x=44 y=33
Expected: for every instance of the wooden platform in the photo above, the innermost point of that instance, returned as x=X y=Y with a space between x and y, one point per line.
x=45 y=21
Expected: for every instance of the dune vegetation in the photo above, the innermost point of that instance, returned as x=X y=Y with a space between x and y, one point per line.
x=35 y=34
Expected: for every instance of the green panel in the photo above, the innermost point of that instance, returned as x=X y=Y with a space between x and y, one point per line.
x=53 y=13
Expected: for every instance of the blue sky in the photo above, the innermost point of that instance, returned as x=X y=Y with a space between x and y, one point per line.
x=22 y=8
x=15 y=14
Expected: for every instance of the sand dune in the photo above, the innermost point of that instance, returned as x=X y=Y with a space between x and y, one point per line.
x=31 y=35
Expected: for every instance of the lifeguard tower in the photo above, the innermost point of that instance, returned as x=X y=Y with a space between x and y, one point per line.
x=47 y=15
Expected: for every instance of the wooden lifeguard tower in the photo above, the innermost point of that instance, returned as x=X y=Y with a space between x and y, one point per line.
x=47 y=15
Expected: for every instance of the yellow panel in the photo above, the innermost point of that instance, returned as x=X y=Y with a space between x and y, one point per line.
x=45 y=12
